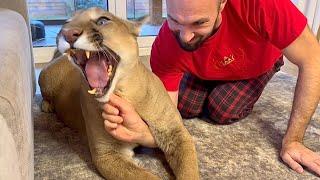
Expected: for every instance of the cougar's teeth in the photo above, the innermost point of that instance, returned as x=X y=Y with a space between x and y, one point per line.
x=109 y=68
x=88 y=54
x=93 y=91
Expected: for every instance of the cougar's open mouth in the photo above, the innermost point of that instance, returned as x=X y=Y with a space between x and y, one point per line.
x=98 y=67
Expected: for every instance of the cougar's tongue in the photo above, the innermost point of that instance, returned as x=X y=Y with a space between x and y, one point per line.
x=97 y=73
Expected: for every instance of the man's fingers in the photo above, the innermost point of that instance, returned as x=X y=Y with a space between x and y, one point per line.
x=315 y=167
x=313 y=164
x=119 y=132
x=109 y=109
x=110 y=125
x=298 y=155
x=111 y=131
x=311 y=160
x=112 y=118
x=119 y=103
x=292 y=163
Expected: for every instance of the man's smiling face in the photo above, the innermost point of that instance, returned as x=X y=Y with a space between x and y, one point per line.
x=192 y=21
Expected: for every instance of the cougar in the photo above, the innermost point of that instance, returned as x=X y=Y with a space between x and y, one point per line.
x=99 y=56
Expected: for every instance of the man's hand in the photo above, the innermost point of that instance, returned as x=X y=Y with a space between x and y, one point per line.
x=124 y=123
x=296 y=155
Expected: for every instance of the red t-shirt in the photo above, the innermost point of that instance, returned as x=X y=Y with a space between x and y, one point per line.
x=247 y=44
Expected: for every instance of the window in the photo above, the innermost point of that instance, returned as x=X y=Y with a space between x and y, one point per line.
x=133 y=9
x=156 y=9
x=48 y=15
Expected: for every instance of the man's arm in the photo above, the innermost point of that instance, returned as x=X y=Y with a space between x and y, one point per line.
x=305 y=53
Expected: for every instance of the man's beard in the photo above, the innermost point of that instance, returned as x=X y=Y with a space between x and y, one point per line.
x=196 y=42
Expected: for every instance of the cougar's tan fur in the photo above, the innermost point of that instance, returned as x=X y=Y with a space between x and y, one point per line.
x=64 y=90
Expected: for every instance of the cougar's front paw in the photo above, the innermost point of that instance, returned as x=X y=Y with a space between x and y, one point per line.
x=47 y=107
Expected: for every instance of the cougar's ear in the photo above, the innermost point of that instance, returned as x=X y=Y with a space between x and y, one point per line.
x=76 y=13
x=137 y=24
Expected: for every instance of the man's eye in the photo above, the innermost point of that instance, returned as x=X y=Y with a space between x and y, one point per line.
x=102 y=21
x=199 y=23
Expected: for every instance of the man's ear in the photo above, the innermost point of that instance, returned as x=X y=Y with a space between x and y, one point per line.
x=137 y=24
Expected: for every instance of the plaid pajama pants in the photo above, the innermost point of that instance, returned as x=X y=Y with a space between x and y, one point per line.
x=224 y=102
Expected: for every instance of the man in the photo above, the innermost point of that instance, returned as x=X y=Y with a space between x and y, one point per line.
x=222 y=53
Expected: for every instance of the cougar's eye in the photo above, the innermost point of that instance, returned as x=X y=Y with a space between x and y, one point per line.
x=102 y=21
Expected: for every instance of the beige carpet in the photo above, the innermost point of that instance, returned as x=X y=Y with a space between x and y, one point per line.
x=245 y=150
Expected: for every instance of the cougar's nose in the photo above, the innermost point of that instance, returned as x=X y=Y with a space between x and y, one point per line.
x=71 y=35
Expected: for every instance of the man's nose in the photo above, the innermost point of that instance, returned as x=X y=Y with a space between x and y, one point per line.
x=71 y=35
x=186 y=35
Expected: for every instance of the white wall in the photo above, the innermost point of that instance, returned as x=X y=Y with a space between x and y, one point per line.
x=311 y=9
